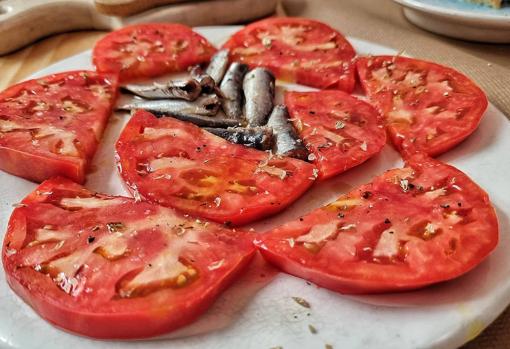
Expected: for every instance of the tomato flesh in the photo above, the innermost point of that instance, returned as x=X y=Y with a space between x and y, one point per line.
x=149 y=50
x=177 y=164
x=298 y=50
x=112 y=267
x=427 y=107
x=340 y=131
x=52 y=125
x=408 y=228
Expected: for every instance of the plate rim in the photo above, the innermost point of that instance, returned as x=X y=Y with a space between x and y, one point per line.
x=488 y=19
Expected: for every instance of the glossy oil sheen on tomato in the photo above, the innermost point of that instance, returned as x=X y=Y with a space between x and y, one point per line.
x=408 y=228
x=339 y=130
x=427 y=107
x=111 y=267
x=149 y=50
x=52 y=125
x=298 y=50
x=178 y=164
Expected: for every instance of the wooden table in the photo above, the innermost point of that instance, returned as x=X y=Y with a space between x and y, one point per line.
x=15 y=67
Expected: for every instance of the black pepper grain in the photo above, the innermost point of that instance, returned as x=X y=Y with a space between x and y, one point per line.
x=366 y=194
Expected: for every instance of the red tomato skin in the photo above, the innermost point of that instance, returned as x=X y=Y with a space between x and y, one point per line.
x=41 y=294
x=333 y=166
x=111 y=325
x=406 y=149
x=329 y=281
x=242 y=215
x=155 y=65
x=342 y=79
x=38 y=168
x=381 y=283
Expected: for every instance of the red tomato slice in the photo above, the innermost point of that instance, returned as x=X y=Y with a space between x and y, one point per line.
x=112 y=267
x=428 y=107
x=408 y=228
x=52 y=125
x=177 y=164
x=298 y=50
x=148 y=50
x=340 y=131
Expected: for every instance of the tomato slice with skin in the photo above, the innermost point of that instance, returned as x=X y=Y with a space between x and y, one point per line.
x=339 y=130
x=408 y=228
x=52 y=125
x=177 y=164
x=427 y=107
x=149 y=50
x=112 y=267
x=298 y=50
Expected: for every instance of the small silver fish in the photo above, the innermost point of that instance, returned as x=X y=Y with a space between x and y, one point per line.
x=232 y=89
x=203 y=121
x=218 y=66
x=254 y=137
x=201 y=112
x=188 y=90
x=204 y=105
x=258 y=88
x=206 y=82
x=287 y=141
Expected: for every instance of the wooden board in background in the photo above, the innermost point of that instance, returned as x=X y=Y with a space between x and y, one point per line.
x=24 y=22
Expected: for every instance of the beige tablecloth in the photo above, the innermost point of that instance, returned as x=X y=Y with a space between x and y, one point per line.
x=380 y=21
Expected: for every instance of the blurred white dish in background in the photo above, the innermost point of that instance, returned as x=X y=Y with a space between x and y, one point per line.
x=460 y=19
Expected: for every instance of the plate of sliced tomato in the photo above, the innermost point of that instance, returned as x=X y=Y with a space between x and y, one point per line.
x=339 y=232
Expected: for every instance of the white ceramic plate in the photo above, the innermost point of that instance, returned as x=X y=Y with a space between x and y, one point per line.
x=460 y=19
x=258 y=311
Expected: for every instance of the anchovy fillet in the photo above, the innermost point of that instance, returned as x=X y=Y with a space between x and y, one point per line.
x=287 y=141
x=218 y=66
x=204 y=105
x=258 y=88
x=202 y=121
x=232 y=89
x=255 y=137
x=179 y=89
x=201 y=112
x=206 y=82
